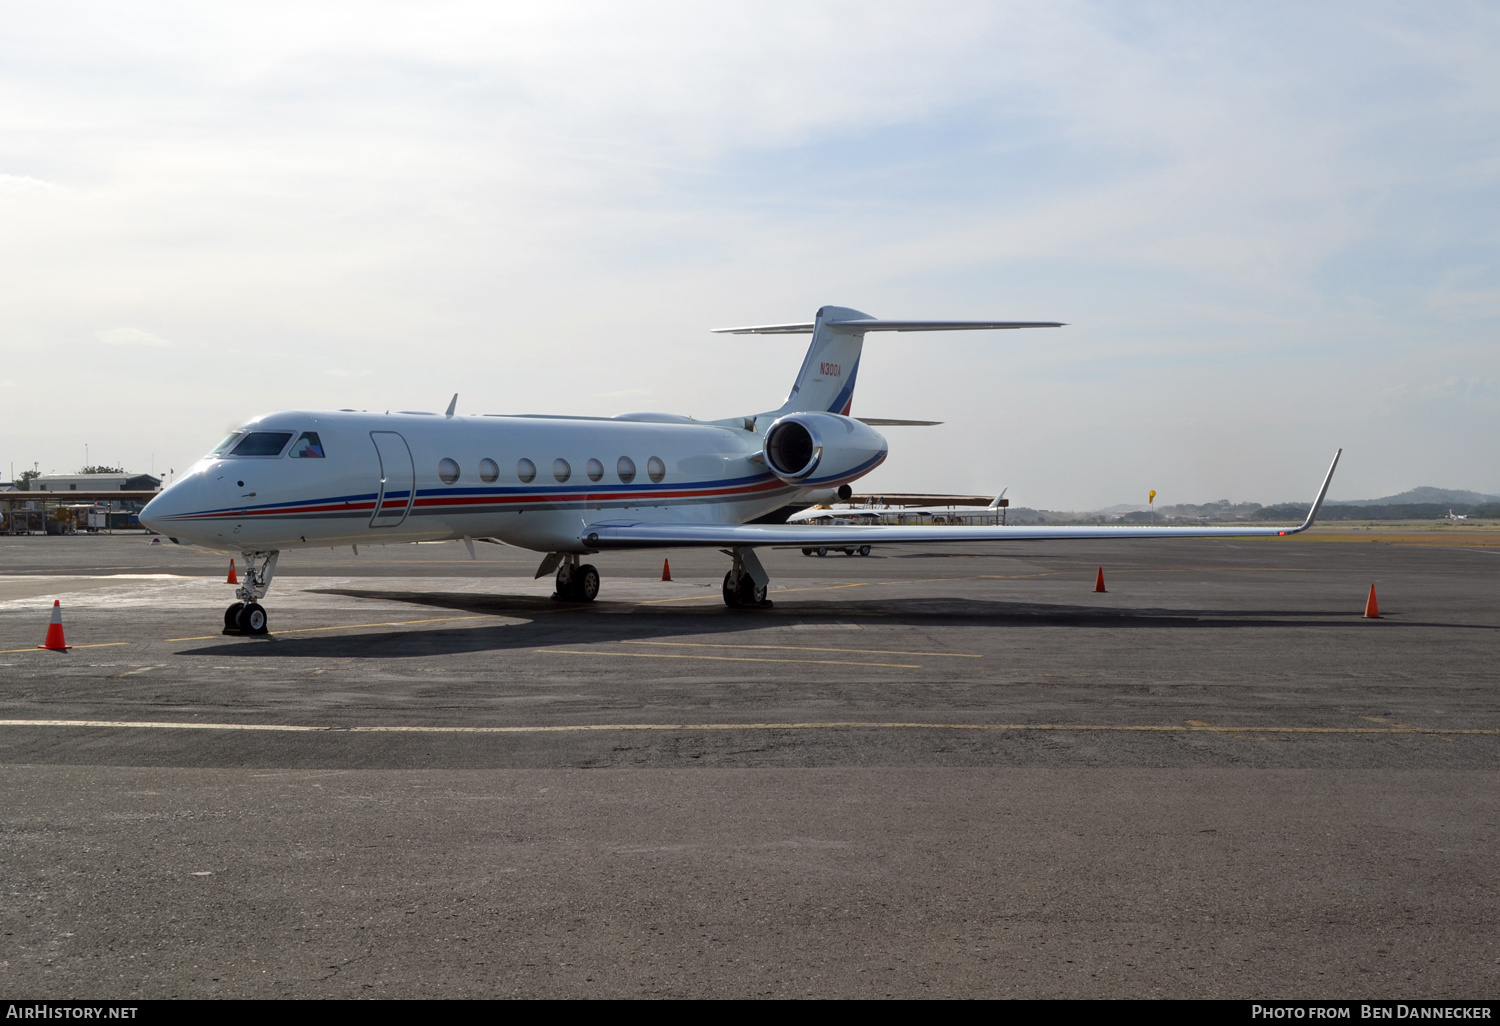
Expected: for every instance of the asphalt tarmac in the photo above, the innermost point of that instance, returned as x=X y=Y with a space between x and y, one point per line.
x=929 y=772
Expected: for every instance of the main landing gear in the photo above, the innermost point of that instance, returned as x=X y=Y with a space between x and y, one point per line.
x=576 y=583
x=248 y=616
x=746 y=583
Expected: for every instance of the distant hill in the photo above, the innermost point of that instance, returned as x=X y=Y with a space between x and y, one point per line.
x=1424 y=503
x=1424 y=494
x=1373 y=511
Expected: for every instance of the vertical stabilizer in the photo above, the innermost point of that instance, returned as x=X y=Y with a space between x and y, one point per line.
x=826 y=381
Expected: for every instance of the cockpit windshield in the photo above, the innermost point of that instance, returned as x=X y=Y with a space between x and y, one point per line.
x=223 y=447
x=308 y=447
x=262 y=443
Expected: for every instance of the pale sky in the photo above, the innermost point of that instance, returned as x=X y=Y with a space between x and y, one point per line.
x=1272 y=228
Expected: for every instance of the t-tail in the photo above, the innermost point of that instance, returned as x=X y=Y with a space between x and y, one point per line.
x=825 y=384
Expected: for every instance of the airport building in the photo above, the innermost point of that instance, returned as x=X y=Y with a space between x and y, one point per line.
x=96 y=483
x=76 y=503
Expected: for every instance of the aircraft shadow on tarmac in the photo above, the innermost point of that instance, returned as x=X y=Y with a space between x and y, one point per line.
x=606 y=622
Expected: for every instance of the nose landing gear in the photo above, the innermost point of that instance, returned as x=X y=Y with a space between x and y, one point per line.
x=248 y=616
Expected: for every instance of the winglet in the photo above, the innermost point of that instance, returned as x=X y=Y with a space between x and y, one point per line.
x=452 y=405
x=1312 y=514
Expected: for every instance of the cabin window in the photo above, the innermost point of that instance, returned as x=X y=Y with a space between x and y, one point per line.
x=447 y=470
x=626 y=469
x=308 y=447
x=489 y=470
x=526 y=470
x=595 y=470
x=224 y=446
x=561 y=470
x=656 y=469
x=262 y=443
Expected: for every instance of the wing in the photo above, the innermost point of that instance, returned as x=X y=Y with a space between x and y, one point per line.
x=861 y=325
x=620 y=534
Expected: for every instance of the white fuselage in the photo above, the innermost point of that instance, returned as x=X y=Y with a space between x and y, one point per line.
x=535 y=482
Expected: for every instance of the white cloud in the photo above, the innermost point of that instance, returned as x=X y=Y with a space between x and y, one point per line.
x=1452 y=389
x=131 y=337
x=24 y=183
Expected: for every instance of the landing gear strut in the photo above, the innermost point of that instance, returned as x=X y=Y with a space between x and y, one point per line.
x=746 y=583
x=247 y=616
x=576 y=583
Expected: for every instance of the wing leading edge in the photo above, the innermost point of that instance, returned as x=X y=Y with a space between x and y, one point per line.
x=861 y=325
x=616 y=534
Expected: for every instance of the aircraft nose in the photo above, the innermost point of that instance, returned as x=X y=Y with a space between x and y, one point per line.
x=172 y=501
x=154 y=509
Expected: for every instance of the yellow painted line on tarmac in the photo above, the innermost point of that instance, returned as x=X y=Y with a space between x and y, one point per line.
x=727 y=659
x=808 y=648
x=290 y=728
x=38 y=648
x=338 y=627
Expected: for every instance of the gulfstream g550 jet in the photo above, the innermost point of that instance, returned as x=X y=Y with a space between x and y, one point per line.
x=571 y=486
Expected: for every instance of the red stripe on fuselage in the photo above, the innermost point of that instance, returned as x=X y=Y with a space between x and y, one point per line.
x=439 y=501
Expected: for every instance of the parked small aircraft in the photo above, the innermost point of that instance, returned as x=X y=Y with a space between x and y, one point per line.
x=571 y=486
x=882 y=513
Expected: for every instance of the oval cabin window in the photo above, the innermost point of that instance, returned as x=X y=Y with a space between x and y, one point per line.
x=447 y=471
x=489 y=470
x=526 y=470
x=561 y=470
x=595 y=470
x=656 y=469
x=626 y=469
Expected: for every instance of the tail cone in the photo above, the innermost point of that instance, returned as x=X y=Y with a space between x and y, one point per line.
x=233 y=579
x=54 y=630
x=1099 y=581
x=666 y=570
x=1372 y=608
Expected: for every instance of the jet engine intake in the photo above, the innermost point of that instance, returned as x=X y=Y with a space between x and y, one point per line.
x=801 y=445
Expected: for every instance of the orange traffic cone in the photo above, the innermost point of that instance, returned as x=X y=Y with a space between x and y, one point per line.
x=1372 y=608
x=666 y=570
x=1099 y=581
x=54 y=630
x=232 y=578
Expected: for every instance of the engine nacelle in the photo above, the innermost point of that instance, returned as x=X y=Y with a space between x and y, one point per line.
x=827 y=496
x=818 y=448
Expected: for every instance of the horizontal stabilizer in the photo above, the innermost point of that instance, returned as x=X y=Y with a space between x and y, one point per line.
x=889 y=422
x=860 y=325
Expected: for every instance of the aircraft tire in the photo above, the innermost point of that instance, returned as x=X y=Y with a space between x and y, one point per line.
x=731 y=593
x=232 y=617
x=864 y=550
x=807 y=552
x=849 y=552
x=585 y=583
x=750 y=595
x=252 y=619
x=822 y=551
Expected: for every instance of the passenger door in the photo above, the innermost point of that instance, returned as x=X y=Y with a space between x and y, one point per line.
x=398 y=479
